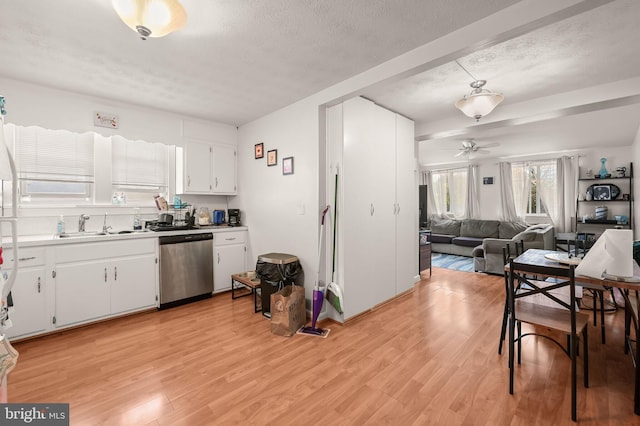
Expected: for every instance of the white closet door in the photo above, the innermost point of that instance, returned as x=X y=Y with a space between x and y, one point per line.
x=407 y=201
x=355 y=220
x=382 y=183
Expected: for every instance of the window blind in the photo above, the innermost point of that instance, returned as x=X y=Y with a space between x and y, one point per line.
x=54 y=154
x=138 y=163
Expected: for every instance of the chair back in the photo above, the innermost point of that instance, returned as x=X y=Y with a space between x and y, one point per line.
x=521 y=285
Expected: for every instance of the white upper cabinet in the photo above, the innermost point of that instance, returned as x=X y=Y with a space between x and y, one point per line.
x=224 y=169
x=206 y=168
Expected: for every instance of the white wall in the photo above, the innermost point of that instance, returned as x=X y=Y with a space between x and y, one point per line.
x=281 y=211
x=29 y=104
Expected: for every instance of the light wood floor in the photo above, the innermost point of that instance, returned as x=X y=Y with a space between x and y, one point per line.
x=429 y=357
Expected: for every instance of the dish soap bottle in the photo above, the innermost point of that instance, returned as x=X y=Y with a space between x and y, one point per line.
x=137 y=222
x=60 y=226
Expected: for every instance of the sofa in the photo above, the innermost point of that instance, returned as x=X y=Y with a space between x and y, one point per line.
x=483 y=239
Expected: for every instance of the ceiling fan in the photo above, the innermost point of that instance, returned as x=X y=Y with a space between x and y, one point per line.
x=469 y=147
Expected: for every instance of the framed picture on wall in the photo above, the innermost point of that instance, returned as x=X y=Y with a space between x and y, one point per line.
x=259 y=150
x=287 y=166
x=272 y=157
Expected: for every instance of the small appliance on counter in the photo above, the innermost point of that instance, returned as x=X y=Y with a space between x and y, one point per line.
x=234 y=217
x=218 y=217
x=204 y=216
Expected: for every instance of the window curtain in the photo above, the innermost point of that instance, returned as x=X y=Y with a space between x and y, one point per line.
x=571 y=168
x=557 y=183
x=507 y=200
x=458 y=192
x=521 y=181
x=448 y=191
x=438 y=192
x=472 y=205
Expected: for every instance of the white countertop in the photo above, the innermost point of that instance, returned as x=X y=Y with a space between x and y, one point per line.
x=52 y=239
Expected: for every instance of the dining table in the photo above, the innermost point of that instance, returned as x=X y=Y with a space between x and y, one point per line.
x=628 y=287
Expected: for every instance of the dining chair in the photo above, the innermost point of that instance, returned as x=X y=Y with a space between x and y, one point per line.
x=507 y=255
x=562 y=316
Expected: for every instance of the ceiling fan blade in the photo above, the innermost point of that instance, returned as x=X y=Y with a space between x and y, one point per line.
x=461 y=153
x=489 y=145
x=483 y=151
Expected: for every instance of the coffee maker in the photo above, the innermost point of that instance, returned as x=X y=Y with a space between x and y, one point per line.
x=234 y=217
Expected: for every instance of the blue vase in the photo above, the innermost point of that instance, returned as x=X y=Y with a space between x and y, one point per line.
x=603 y=168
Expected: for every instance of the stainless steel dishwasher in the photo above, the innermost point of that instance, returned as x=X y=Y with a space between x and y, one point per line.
x=186 y=268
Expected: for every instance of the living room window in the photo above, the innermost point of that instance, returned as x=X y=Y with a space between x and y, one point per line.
x=449 y=191
x=538 y=179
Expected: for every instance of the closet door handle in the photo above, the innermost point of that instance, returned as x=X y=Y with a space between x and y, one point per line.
x=398 y=207
x=115 y=273
x=38 y=284
x=218 y=258
x=105 y=275
x=372 y=210
x=188 y=180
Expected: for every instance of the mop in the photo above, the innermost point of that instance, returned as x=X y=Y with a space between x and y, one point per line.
x=333 y=291
x=318 y=295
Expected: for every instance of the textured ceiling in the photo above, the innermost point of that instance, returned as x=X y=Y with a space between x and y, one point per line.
x=235 y=60
x=594 y=48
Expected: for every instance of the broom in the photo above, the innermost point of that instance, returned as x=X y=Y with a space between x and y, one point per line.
x=333 y=291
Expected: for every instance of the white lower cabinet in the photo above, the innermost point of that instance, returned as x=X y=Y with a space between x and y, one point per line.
x=133 y=286
x=92 y=283
x=29 y=314
x=229 y=257
x=82 y=292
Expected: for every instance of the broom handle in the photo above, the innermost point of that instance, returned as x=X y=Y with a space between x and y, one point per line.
x=335 y=221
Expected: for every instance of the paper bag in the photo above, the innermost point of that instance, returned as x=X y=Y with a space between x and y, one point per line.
x=288 y=311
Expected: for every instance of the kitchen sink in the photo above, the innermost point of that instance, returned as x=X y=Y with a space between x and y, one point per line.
x=81 y=234
x=97 y=233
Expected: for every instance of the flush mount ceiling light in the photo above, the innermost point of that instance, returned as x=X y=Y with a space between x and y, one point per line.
x=479 y=102
x=151 y=18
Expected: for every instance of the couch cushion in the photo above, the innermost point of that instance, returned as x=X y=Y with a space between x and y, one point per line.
x=507 y=230
x=479 y=228
x=467 y=241
x=445 y=226
x=441 y=238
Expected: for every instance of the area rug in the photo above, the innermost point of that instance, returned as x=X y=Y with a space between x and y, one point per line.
x=450 y=261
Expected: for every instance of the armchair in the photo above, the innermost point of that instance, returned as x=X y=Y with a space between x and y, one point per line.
x=489 y=257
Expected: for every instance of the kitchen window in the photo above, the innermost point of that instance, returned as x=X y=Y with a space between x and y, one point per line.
x=59 y=167
x=53 y=164
x=138 y=168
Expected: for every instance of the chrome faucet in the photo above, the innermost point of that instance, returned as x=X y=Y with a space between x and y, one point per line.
x=105 y=228
x=83 y=219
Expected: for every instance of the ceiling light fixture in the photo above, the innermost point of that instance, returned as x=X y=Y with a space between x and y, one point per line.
x=151 y=18
x=479 y=102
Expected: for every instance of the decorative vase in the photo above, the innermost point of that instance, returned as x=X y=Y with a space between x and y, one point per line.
x=603 y=168
x=589 y=197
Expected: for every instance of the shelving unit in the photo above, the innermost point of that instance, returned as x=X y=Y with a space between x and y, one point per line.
x=617 y=206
